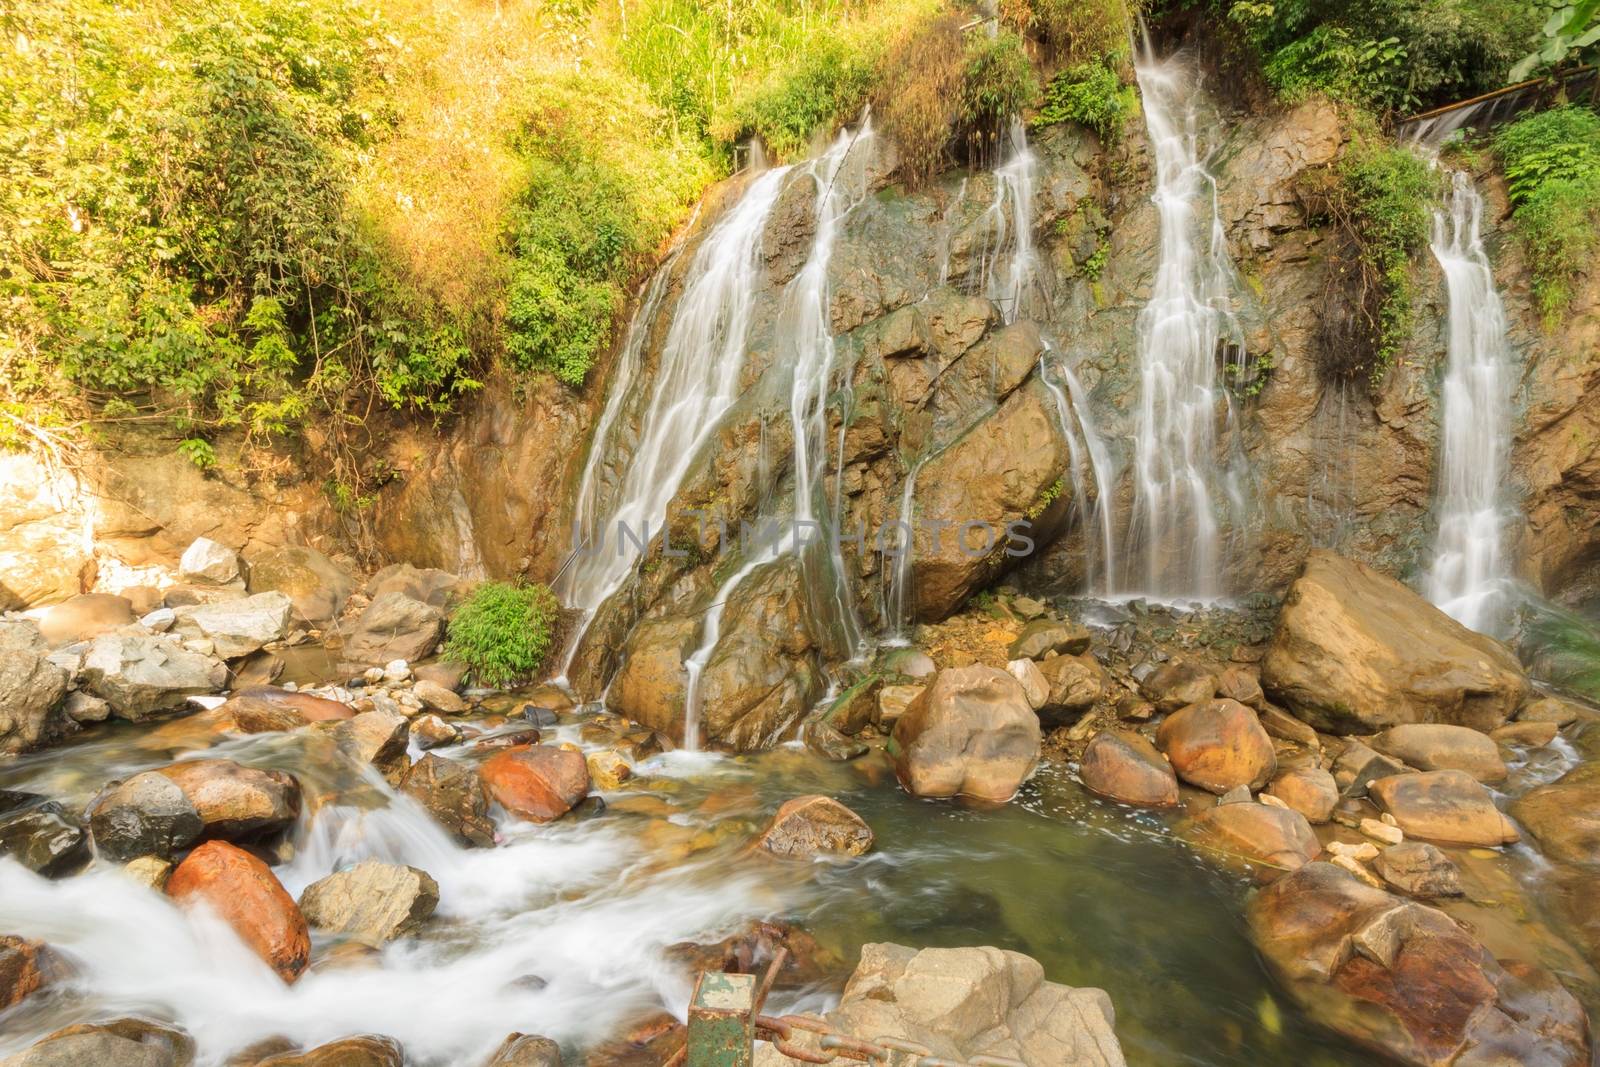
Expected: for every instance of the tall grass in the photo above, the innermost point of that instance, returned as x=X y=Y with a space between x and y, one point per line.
x=1564 y=647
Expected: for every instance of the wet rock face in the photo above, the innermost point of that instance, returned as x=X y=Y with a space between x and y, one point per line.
x=1309 y=790
x=815 y=826
x=1355 y=650
x=44 y=839
x=25 y=967
x=130 y=1042
x=1249 y=833
x=526 y=1050
x=453 y=794
x=263 y=709
x=1564 y=816
x=149 y=814
x=31 y=688
x=234 y=802
x=244 y=892
x=968 y=1002
x=1404 y=979
x=969 y=733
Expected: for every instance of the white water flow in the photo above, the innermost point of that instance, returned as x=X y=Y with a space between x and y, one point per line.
x=563 y=930
x=1468 y=578
x=899 y=607
x=806 y=344
x=696 y=381
x=1077 y=423
x=1009 y=267
x=1174 y=529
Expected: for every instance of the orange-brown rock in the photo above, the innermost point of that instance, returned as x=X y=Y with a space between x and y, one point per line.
x=815 y=826
x=1437 y=746
x=1255 y=833
x=1564 y=816
x=539 y=783
x=1123 y=766
x=1445 y=806
x=247 y=895
x=25 y=967
x=1217 y=745
x=264 y=708
x=970 y=732
x=1310 y=790
x=236 y=802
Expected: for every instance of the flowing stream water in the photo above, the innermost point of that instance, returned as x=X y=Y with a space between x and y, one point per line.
x=1175 y=533
x=1468 y=578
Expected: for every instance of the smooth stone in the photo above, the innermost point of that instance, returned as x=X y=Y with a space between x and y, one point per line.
x=235 y=802
x=1441 y=747
x=45 y=840
x=245 y=893
x=1564 y=816
x=1419 y=869
x=1217 y=745
x=126 y=1042
x=1044 y=636
x=1450 y=807
x=1310 y=790
x=148 y=814
x=371 y=901
x=969 y=733
x=810 y=826
x=539 y=783
x=1255 y=833
x=1123 y=766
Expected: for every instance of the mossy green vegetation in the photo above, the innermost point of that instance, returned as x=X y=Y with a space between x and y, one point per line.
x=1094 y=95
x=502 y=632
x=1552 y=168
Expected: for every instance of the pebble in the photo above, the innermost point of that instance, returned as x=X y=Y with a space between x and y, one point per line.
x=1382 y=831
x=396 y=670
x=1366 y=850
x=1355 y=868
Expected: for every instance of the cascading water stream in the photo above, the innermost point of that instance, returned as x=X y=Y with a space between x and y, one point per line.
x=1009 y=267
x=695 y=382
x=898 y=607
x=806 y=346
x=1175 y=530
x=1468 y=579
x=1073 y=414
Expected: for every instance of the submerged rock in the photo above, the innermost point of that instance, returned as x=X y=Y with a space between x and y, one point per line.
x=235 y=802
x=815 y=826
x=1217 y=745
x=969 y=733
x=144 y=676
x=526 y=1050
x=245 y=893
x=129 y=1042
x=1404 y=979
x=371 y=901
x=366 y=1050
x=1122 y=765
x=265 y=708
x=1256 y=833
x=45 y=840
x=25 y=968
x=1418 y=869
x=453 y=794
x=1441 y=747
x=539 y=783
x=1356 y=650
x=1445 y=806
x=967 y=1002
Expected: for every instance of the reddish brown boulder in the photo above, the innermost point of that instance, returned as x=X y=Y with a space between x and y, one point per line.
x=815 y=826
x=245 y=893
x=539 y=783
x=1404 y=979
x=264 y=708
x=1310 y=790
x=1121 y=765
x=25 y=968
x=1248 y=832
x=1445 y=806
x=1564 y=816
x=1217 y=745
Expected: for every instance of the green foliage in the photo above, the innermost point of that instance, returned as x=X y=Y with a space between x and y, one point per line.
x=502 y=632
x=1564 y=647
x=997 y=86
x=1569 y=35
x=1079 y=31
x=1552 y=166
x=1387 y=55
x=198 y=451
x=825 y=85
x=1092 y=95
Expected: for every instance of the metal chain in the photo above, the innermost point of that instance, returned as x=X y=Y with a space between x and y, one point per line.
x=887 y=1051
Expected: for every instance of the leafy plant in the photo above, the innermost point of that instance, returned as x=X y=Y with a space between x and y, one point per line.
x=1552 y=167
x=198 y=450
x=1570 y=36
x=997 y=85
x=1092 y=95
x=502 y=632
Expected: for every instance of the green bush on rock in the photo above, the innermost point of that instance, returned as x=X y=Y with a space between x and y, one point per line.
x=502 y=632
x=1552 y=166
x=1092 y=95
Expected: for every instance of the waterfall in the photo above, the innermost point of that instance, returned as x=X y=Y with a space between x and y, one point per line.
x=1009 y=266
x=1467 y=579
x=695 y=383
x=1077 y=423
x=806 y=346
x=1174 y=524
x=898 y=608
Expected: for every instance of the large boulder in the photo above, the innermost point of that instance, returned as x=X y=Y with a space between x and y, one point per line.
x=236 y=627
x=453 y=794
x=316 y=585
x=1122 y=765
x=1255 y=833
x=129 y=1042
x=962 y=1003
x=394 y=626
x=1406 y=980
x=208 y=562
x=31 y=688
x=1218 y=745
x=1564 y=816
x=247 y=896
x=147 y=815
x=539 y=783
x=371 y=901
x=85 y=616
x=1432 y=746
x=970 y=732
x=234 y=802
x=141 y=676
x=1445 y=806
x=1356 y=651
x=811 y=826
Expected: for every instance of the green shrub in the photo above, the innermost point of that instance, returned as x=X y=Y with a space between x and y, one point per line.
x=997 y=85
x=1079 y=31
x=1552 y=167
x=824 y=85
x=502 y=632
x=1092 y=95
